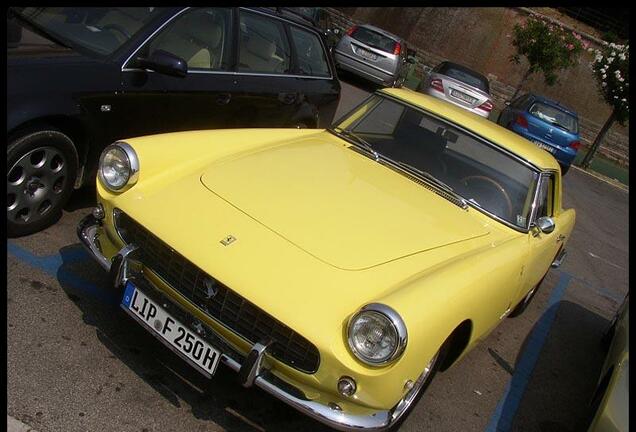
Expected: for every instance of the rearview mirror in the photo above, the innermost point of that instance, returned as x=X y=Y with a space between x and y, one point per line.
x=164 y=62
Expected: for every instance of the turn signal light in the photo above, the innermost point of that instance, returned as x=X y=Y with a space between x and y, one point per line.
x=437 y=85
x=486 y=106
x=575 y=145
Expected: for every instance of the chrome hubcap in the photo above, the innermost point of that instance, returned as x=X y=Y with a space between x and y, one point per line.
x=410 y=396
x=35 y=184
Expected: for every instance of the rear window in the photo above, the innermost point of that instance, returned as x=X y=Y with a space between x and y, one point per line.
x=555 y=116
x=465 y=76
x=373 y=39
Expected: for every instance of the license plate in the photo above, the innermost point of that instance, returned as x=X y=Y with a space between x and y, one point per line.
x=544 y=146
x=463 y=96
x=170 y=331
x=366 y=54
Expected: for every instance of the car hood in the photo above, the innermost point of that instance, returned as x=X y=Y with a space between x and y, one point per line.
x=338 y=205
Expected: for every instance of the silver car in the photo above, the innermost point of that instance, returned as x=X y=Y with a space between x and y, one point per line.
x=374 y=54
x=460 y=86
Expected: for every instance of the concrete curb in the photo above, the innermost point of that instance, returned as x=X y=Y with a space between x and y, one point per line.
x=602 y=178
x=15 y=425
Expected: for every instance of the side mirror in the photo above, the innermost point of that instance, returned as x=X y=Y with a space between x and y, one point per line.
x=165 y=63
x=545 y=224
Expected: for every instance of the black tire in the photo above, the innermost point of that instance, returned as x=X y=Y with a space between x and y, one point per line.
x=41 y=173
x=564 y=169
x=441 y=354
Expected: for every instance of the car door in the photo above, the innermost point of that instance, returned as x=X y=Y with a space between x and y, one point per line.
x=265 y=95
x=543 y=247
x=204 y=38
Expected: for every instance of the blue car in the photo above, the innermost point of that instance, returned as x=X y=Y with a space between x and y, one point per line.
x=546 y=123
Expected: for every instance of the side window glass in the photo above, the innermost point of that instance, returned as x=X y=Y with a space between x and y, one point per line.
x=202 y=37
x=263 y=45
x=545 y=198
x=310 y=55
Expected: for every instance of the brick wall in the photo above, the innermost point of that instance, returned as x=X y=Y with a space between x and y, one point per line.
x=483 y=44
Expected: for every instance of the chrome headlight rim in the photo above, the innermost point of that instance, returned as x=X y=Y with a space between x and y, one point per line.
x=133 y=166
x=394 y=319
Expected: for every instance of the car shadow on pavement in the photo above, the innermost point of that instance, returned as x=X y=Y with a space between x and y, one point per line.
x=84 y=197
x=564 y=377
x=221 y=399
x=358 y=82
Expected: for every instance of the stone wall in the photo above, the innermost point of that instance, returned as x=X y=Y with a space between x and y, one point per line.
x=480 y=38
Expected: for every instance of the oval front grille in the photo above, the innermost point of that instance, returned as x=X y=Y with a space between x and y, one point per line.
x=216 y=300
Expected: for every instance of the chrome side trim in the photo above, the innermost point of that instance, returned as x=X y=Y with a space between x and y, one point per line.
x=88 y=235
x=123 y=66
x=559 y=259
x=397 y=322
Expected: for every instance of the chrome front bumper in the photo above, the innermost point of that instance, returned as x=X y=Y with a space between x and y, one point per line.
x=249 y=368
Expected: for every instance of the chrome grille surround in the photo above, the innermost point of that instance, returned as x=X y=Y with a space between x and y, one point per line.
x=224 y=306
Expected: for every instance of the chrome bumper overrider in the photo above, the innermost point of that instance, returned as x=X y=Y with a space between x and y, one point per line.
x=249 y=368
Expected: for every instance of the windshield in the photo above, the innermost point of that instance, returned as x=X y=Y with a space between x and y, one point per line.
x=98 y=29
x=486 y=177
x=373 y=39
x=554 y=116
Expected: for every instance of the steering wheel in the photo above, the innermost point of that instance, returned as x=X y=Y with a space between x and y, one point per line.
x=117 y=28
x=495 y=185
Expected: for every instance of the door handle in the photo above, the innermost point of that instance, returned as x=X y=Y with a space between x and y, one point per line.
x=287 y=98
x=223 y=99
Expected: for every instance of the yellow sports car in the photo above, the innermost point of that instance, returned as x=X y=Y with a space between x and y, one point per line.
x=336 y=269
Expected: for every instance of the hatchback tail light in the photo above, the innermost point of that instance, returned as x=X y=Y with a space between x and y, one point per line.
x=397 y=48
x=575 y=144
x=521 y=121
x=352 y=30
x=486 y=106
x=437 y=85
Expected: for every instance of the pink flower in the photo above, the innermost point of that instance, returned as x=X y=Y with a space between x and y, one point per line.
x=585 y=44
x=570 y=47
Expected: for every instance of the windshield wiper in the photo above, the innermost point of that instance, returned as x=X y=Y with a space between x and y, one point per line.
x=38 y=28
x=437 y=182
x=360 y=141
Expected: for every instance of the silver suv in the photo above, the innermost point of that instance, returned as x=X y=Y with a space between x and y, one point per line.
x=373 y=54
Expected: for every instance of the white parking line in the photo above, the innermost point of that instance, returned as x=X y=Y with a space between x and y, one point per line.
x=605 y=261
x=615 y=183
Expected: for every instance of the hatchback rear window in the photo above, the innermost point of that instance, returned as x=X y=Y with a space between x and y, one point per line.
x=465 y=76
x=554 y=116
x=373 y=39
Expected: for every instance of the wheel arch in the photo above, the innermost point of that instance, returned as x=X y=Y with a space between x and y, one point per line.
x=457 y=342
x=72 y=127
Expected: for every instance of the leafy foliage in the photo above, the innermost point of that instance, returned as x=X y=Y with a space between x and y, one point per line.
x=611 y=70
x=547 y=47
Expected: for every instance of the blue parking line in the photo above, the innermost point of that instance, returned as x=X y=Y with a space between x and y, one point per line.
x=52 y=265
x=501 y=420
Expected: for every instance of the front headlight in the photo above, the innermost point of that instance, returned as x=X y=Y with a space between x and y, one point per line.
x=118 y=166
x=377 y=334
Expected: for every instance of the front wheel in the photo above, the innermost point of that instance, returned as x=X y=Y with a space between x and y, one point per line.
x=406 y=405
x=41 y=172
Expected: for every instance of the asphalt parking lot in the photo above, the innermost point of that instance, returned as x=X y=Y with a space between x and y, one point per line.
x=77 y=363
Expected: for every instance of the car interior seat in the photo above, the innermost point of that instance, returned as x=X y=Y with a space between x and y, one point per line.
x=258 y=53
x=186 y=39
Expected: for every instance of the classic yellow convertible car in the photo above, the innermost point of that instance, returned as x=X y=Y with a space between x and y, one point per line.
x=336 y=269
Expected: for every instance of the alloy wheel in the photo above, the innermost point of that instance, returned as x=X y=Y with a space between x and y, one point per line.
x=35 y=184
